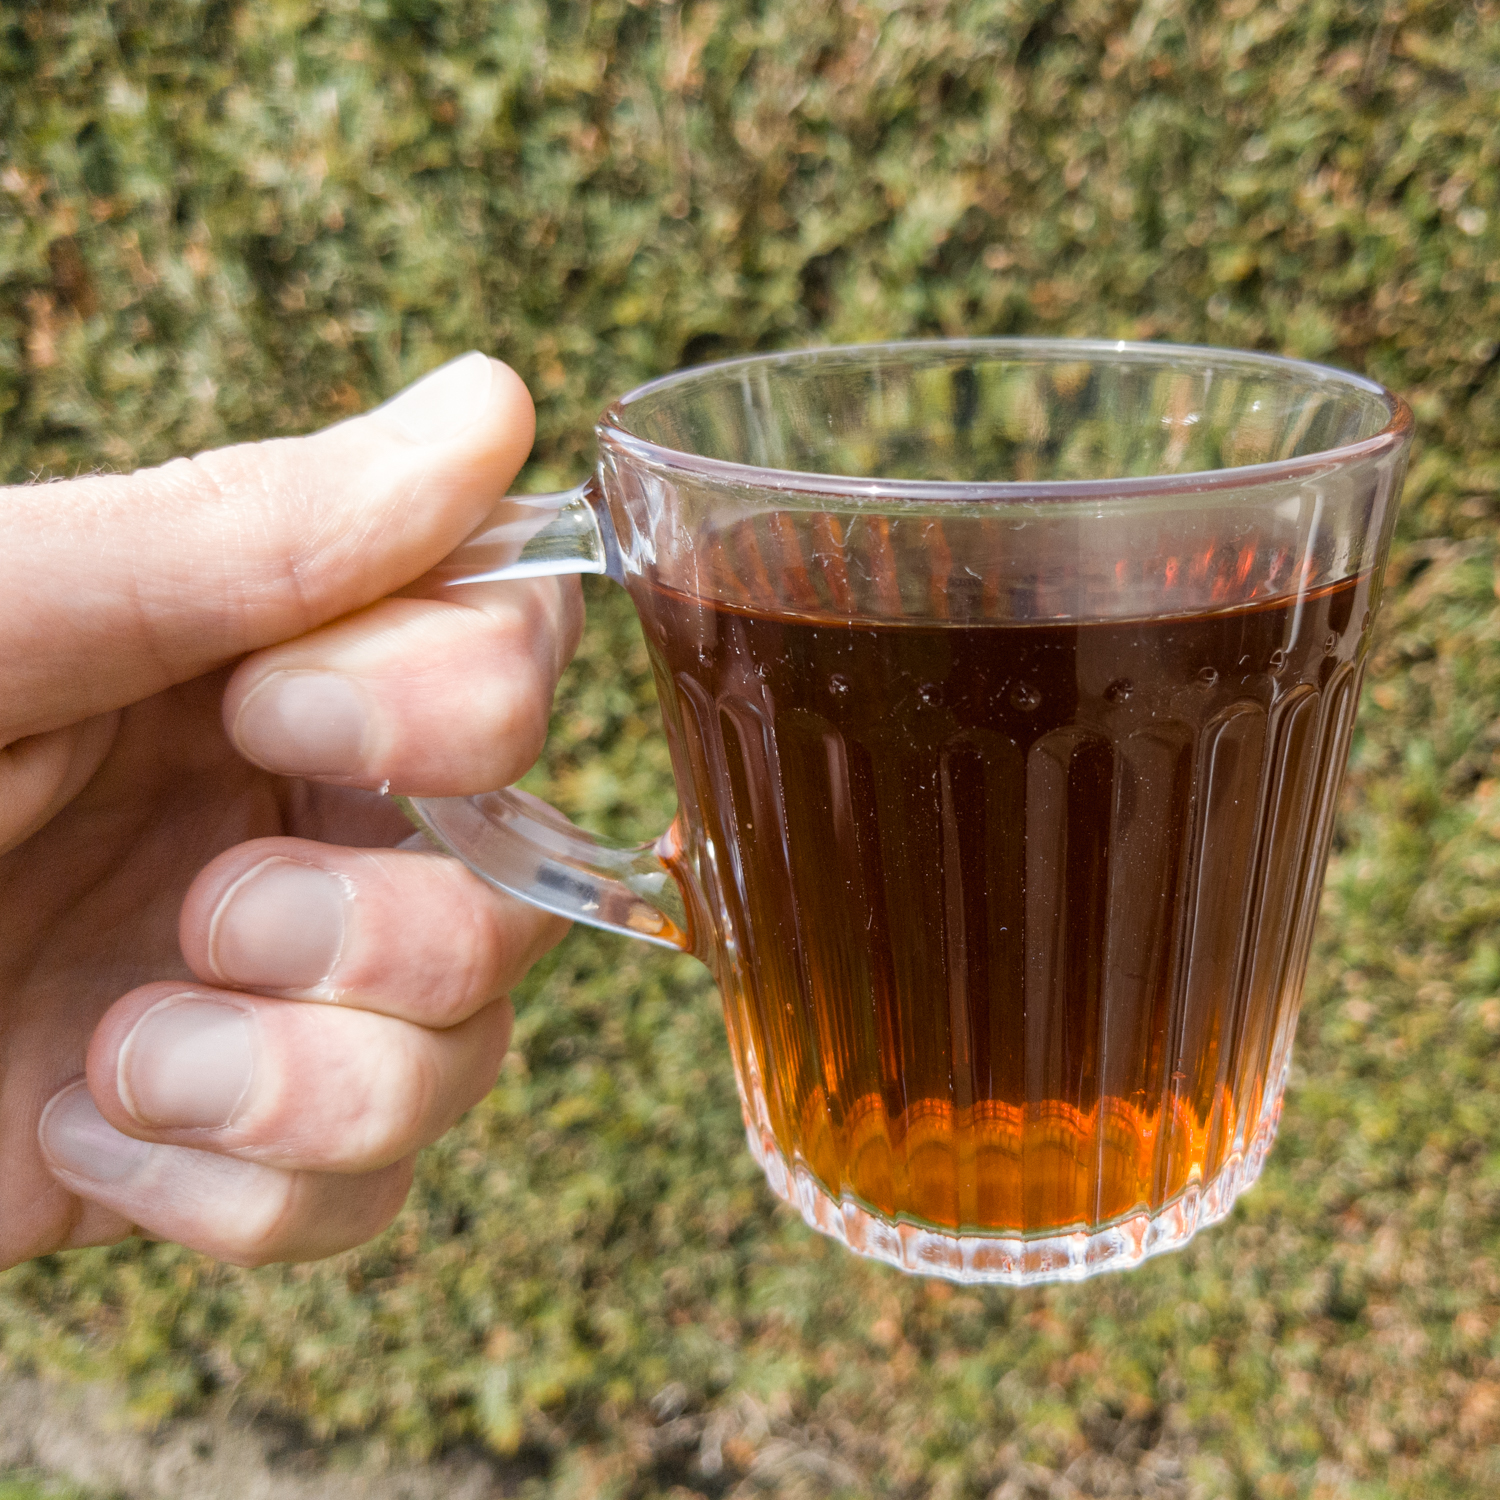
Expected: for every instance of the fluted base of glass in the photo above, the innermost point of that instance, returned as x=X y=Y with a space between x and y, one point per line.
x=974 y=1257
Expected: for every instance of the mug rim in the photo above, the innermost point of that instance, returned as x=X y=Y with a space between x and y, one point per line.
x=612 y=432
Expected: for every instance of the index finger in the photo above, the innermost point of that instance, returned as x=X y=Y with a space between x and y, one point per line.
x=114 y=587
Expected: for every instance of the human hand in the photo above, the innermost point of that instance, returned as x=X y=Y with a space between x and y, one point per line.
x=203 y=685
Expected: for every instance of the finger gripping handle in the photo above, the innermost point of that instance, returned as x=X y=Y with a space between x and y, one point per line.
x=511 y=839
x=521 y=845
x=530 y=536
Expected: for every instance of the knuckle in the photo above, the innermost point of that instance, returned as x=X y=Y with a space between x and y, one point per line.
x=193 y=480
x=246 y=486
x=511 y=729
x=267 y=1220
x=363 y=1103
x=313 y=1214
x=537 y=615
x=476 y=960
x=413 y=1082
x=388 y=1115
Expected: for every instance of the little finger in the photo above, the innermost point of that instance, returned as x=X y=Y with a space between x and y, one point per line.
x=237 y=1211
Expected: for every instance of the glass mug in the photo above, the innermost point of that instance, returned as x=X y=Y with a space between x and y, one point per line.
x=1009 y=685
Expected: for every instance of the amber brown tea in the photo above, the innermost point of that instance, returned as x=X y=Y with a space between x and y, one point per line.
x=1015 y=914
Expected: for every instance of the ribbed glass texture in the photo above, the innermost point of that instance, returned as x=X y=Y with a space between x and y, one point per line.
x=1014 y=917
x=1007 y=724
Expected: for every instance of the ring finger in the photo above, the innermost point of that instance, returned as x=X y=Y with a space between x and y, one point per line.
x=287 y=1083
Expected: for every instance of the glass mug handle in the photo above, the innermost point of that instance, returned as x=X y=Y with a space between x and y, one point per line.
x=516 y=841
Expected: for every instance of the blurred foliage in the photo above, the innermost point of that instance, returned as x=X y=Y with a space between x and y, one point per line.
x=223 y=220
x=28 y=1485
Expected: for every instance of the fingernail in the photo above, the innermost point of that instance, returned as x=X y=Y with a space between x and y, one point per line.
x=304 y=724
x=279 y=927
x=77 y=1138
x=440 y=405
x=187 y=1064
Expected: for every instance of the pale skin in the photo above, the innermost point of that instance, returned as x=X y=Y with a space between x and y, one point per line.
x=231 y=1010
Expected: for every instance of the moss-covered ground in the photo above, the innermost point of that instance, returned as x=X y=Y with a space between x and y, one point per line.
x=223 y=220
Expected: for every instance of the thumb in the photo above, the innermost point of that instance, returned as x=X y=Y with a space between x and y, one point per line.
x=117 y=586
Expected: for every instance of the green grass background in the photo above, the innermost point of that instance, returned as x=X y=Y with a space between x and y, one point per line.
x=29 y=1485
x=220 y=221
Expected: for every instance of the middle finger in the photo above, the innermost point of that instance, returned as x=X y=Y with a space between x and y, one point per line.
x=408 y=934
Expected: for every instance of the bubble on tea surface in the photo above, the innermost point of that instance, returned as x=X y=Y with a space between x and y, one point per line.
x=1278 y=660
x=1330 y=644
x=930 y=693
x=1025 y=697
x=838 y=685
x=1207 y=676
x=1119 y=690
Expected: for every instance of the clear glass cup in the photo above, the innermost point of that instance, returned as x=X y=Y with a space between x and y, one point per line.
x=1009 y=686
